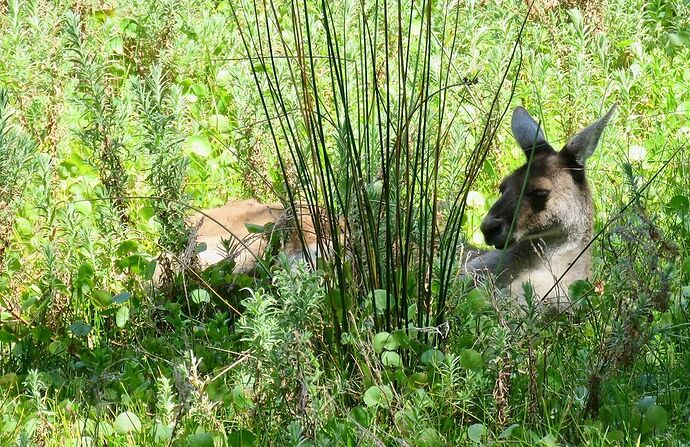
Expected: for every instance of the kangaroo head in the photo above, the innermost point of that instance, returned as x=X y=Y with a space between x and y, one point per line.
x=547 y=197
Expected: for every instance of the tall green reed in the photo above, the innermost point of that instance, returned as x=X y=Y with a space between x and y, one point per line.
x=361 y=135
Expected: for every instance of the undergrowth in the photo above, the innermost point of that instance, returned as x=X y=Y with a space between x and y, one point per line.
x=385 y=120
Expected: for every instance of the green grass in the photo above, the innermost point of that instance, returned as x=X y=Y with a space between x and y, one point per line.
x=117 y=117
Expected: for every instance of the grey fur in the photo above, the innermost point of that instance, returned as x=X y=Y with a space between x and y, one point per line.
x=552 y=228
x=526 y=130
x=582 y=145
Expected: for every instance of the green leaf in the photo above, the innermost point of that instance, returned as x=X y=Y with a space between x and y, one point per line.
x=199 y=145
x=509 y=432
x=645 y=402
x=127 y=422
x=147 y=212
x=417 y=380
x=548 y=441
x=254 y=228
x=121 y=297
x=380 y=300
x=122 y=316
x=679 y=204
x=384 y=340
x=240 y=399
x=686 y=266
x=126 y=247
x=84 y=207
x=162 y=433
x=7 y=337
x=203 y=439
x=429 y=437
x=476 y=432
x=656 y=417
x=24 y=226
x=150 y=269
x=679 y=39
x=432 y=357
x=361 y=416
x=115 y=45
x=219 y=123
x=56 y=347
x=578 y=290
x=471 y=359
x=378 y=396
x=9 y=380
x=477 y=301
x=615 y=436
x=200 y=296
x=392 y=359
x=241 y=438
x=80 y=329
x=102 y=298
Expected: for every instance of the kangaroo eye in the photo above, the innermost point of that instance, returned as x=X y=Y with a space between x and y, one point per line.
x=541 y=193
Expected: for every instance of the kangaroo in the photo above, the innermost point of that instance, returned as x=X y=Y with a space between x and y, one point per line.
x=550 y=203
x=228 y=223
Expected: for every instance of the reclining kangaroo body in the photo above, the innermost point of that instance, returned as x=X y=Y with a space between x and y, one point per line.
x=229 y=223
x=542 y=223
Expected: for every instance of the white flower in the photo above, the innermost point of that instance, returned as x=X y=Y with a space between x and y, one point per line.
x=477 y=238
x=636 y=70
x=683 y=133
x=475 y=199
x=637 y=153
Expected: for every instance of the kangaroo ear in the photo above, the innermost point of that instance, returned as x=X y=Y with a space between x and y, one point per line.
x=527 y=133
x=581 y=146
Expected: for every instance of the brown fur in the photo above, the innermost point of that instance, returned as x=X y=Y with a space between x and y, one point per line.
x=553 y=217
x=227 y=222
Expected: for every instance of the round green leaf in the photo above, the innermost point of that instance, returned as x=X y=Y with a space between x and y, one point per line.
x=510 y=432
x=200 y=296
x=122 y=316
x=8 y=380
x=646 y=402
x=380 y=300
x=127 y=422
x=656 y=417
x=199 y=145
x=417 y=380
x=378 y=396
x=361 y=416
x=615 y=435
x=147 y=212
x=477 y=301
x=548 y=441
x=384 y=340
x=80 y=329
x=391 y=359
x=432 y=357
x=476 y=432
x=219 y=123
x=429 y=437
x=162 y=433
x=121 y=297
x=200 y=440
x=56 y=347
x=471 y=359
x=102 y=298
x=578 y=290
x=679 y=204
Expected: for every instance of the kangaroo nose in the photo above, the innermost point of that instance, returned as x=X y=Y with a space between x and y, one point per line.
x=492 y=229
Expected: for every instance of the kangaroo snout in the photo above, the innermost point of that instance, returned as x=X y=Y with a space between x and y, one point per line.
x=494 y=230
